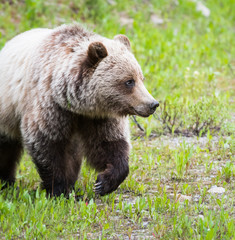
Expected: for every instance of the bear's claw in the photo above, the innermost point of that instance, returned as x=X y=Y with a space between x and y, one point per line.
x=98 y=187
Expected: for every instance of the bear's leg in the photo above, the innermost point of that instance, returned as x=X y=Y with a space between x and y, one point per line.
x=111 y=158
x=57 y=161
x=106 y=147
x=10 y=153
x=115 y=155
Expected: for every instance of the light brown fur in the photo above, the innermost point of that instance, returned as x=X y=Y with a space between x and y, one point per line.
x=70 y=99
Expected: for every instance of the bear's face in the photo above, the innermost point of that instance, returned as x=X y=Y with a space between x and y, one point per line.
x=117 y=80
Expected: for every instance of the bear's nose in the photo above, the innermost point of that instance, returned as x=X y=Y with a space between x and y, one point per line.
x=154 y=105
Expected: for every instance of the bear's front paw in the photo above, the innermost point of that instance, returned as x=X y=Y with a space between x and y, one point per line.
x=105 y=184
x=109 y=180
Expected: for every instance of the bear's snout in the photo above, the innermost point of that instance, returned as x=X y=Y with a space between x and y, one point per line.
x=153 y=106
x=146 y=109
x=144 y=103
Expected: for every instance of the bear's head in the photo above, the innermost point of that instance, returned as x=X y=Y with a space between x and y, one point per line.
x=112 y=81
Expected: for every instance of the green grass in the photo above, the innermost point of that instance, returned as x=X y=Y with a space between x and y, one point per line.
x=186 y=148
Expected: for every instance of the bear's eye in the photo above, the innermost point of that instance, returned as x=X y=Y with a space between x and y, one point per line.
x=130 y=83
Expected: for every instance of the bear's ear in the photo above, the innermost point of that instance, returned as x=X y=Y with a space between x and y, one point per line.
x=123 y=39
x=96 y=52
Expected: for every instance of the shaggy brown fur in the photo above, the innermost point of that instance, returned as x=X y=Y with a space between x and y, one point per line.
x=69 y=100
x=10 y=152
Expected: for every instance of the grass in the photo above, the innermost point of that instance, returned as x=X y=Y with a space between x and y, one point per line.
x=186 y=147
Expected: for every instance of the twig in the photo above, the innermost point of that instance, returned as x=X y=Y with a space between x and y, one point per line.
x=138 y=125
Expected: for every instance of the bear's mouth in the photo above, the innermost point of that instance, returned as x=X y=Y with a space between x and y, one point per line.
x=141 y=114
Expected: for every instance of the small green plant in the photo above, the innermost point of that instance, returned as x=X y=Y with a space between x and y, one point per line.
x=182 y=160
x=207 y=113
x=183 y=115
x=226 y=148
x=171 y=114
x=228 y=171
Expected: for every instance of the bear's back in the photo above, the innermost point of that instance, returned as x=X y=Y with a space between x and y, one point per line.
x=15 y=60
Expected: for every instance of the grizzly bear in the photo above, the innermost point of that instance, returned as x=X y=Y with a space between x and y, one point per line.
x=65 y=95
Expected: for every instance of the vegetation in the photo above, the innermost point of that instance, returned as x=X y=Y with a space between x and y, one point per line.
x=187 y=147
